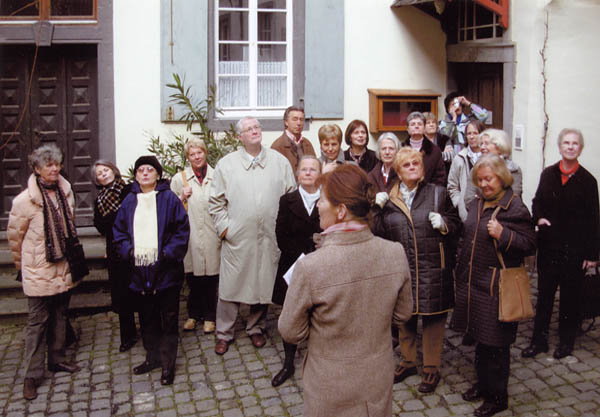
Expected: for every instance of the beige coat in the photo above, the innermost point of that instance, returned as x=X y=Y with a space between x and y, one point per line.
x=25 y=232
x=204 y=251
x=344 y=305
x=244 y=201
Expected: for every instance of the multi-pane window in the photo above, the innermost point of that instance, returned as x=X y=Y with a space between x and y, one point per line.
x=253 y=56
x=476 y=22
x=47 y=9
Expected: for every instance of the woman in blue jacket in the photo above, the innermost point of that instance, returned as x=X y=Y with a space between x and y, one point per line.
x=152 y=232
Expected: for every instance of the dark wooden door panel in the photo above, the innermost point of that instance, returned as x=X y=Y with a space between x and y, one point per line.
x=63 y=109
x=482 y=84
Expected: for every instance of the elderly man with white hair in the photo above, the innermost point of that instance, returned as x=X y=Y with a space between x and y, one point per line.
x=243 y=202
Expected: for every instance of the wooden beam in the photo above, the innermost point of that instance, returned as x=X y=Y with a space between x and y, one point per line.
x=500 y=8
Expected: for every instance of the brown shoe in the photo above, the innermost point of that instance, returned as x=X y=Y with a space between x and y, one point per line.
x=209 y=327
x=402 y=372
x=222 y=346
x=430 y=381
x=29 y=389
x=189 y=325
x=258 y=340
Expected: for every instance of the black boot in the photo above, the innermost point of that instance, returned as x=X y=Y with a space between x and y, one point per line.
x=288 y=365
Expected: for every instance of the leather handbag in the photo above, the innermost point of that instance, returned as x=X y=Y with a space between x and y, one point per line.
x=76 y=259
x=514 y=292
x=590 y=303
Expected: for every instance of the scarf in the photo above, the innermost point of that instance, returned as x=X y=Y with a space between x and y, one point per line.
x=566 y=175
x=145 y=229
x=309 y=199
x=408 y=195
x=200 y=174
x=349 y=226
x=109 y=197
x=357 y=157
x=56 y=217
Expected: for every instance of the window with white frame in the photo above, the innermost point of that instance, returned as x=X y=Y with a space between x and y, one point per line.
x=253 y=56
x=475 y=22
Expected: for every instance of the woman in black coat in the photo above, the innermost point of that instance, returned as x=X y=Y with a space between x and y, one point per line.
x=477 y=275
x=357 y=138
x=421 y=217
x=112 y=191
x=565 y=209
x=297 y=222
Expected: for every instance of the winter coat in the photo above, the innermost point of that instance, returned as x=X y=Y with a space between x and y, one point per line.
x=368 y=161
x=515 y=171
x=572 y=210
x=433 y=163
x=344 y=306
x=478 y=269
x=173 y=237
x=460 y=187
x=456 y=131
x=119 y=271
x=244 y=201
x=283 y=146
x=27 y=242
x=376 y=177
x=204 y=251
x=429 y=251
x=294 y=230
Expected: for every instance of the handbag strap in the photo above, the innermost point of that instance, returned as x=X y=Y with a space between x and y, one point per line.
x=496 y=243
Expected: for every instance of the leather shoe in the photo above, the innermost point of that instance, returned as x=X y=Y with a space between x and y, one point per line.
x=222 y=346
x=258 y=340
x=29 y=389
x=209 y=327
x=533 y=349
x=488 y=409
x=430 y=381
x=562 y=351
x=189 y=325
x=63 y=367
x=167 y=377
x=472 y=394
x=145 y=367
x=127 y=345
x=402 y=372
x=283 y=375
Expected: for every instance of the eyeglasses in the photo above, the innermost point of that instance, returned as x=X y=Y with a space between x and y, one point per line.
x=252 y=129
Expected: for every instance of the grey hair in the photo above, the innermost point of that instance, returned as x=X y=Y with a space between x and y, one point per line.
x=390 y=136
x=305 y=157
x=415 y=115
x=238 y=125
x=44 y=155
x=568 y=130
x=500 y=139
x=106 y=163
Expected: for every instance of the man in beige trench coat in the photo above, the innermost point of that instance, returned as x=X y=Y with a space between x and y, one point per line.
x=243 y=202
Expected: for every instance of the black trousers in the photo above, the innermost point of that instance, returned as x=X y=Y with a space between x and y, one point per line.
x=492 y=364
x=554 y=271
x=123 y=299
x=202 y=301
x=159 y=316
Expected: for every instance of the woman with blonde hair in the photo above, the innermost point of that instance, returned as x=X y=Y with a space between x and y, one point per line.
x=498 y=142
x=421 y=217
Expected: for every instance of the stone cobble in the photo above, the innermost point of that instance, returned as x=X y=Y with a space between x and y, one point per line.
x=238 y=384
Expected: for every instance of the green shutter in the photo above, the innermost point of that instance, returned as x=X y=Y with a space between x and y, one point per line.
x=184 y=49
x=324 y=85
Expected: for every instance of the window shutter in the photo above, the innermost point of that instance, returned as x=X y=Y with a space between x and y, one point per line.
x=324 y=85
x=184 y=51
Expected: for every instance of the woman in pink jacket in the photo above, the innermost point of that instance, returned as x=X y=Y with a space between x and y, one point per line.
x=41 y=218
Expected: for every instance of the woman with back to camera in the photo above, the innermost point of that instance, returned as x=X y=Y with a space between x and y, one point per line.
x=201 y=263
x=357 y=138
x=112 y=191
x=498 y=222
x=297 y=222
x=565 y=209
x=460 y=187
x=421 y=217
x=41 y=218
x=345 y=306
x=497 y=141
x=152 y=232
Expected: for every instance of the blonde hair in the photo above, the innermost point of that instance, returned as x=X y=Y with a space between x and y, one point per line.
x=407 y=153
x=330 y=131
x=498 y=167
x=194 y=142
x=499 y=139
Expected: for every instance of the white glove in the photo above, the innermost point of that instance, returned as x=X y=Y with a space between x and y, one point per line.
x=436 y=220
x=381 y=198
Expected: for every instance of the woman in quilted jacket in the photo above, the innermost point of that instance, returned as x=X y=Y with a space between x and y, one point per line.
x=41 y=218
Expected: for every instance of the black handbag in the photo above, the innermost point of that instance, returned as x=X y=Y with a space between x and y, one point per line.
x=590 y=308
x=76 y=259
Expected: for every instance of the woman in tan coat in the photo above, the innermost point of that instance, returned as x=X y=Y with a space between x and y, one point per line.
x=37 y=230
x=202 y=260
x=345 y=306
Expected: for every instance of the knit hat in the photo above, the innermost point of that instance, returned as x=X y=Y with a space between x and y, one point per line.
x=148 y=160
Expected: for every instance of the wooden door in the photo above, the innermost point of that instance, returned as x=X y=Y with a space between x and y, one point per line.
x=482 y=84
x=62 y=109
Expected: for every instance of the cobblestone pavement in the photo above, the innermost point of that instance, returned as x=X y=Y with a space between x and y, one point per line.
x=239 y=383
